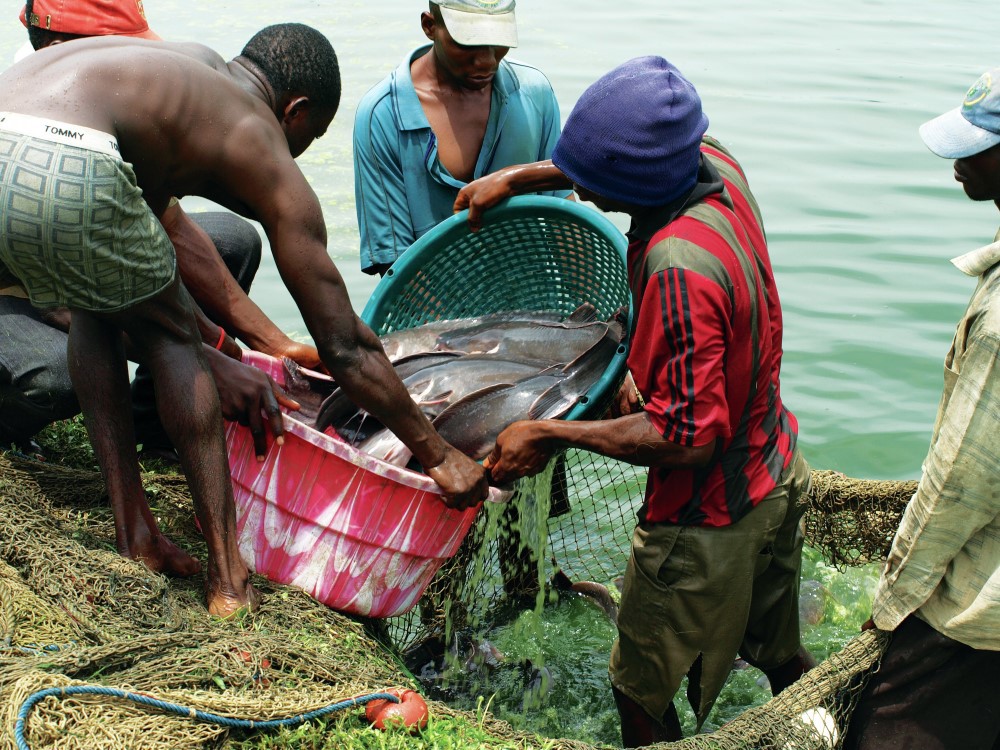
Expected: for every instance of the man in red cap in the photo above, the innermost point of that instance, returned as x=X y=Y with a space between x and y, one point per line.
x=218 y=254
x=716 y=554
x=73 y=19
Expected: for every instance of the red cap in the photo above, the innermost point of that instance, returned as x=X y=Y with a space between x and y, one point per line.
x=90 y=17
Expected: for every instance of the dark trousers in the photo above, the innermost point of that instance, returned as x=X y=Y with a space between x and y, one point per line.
x=930 y=693
x=35 y=389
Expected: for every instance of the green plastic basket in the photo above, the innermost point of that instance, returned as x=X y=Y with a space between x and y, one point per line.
x=532 y=253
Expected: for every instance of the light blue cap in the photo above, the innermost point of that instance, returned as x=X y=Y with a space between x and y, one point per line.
x=971 y=128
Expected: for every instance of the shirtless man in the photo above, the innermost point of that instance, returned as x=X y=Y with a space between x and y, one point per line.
x=218 y=254
x=101 y=134
x=453 y=110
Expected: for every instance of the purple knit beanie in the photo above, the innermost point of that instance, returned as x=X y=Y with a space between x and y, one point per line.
x=634 y=136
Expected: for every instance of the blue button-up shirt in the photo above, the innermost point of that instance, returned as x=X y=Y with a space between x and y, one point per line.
x=400 y=186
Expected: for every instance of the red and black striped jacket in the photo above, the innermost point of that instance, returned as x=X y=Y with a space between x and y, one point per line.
x=706 y=354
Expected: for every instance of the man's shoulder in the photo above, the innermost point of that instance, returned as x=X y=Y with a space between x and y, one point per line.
x=199 y=52
x=719 y=155
x=985 y=304
x=378 y=100
x=377 y=96
x=526 y=76
x=732 y=173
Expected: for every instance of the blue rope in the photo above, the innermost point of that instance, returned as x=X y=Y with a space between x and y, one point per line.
x=32 y=648
x=173 y=708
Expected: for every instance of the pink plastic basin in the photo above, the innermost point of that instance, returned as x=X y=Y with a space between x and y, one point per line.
x=356 y=533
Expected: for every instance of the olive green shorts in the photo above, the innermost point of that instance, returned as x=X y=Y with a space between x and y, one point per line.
x=74 y=228
x=712 y=592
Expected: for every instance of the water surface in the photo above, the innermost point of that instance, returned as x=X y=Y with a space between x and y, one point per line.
x=821 y=104
x=819 y=101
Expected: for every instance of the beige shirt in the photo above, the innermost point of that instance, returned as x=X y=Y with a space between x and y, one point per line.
x=945 y=560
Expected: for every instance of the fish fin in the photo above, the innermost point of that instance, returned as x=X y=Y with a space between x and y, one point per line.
x=561 y=581
x=555 y=370
x=585 y=313
x=619 y=322
x=576 y=364
x=409 y=358
x=291 y=366
x=606 y=345
x=437 y=398
x=334 y=410
x=315 y=379
x=560 y=398
x=552 y=404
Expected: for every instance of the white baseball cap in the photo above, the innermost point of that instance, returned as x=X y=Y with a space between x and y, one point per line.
x=480 y=22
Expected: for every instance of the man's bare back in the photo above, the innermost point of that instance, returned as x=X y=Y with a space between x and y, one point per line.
x=175 y=109
x=185 y=122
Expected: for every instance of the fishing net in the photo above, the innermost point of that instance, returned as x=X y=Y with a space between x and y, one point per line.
x=73 y=612
x=586 y=504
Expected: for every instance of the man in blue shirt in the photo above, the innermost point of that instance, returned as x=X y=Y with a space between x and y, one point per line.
x=452 y=111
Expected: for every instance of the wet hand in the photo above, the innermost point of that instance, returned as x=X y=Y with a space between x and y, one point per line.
x=520 y=452
x=462 y=481
x=249 y=396
x=303 y=355
x=482 y=194
x=629 y=400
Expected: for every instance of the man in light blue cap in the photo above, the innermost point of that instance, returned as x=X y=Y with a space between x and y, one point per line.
x=939 y=593
x=452 y=111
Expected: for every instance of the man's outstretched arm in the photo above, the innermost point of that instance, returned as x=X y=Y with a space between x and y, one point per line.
x=219 y=295
x=486 y=192
x=266 y=180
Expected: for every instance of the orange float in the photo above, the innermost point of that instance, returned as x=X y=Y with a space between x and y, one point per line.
x=411 y=711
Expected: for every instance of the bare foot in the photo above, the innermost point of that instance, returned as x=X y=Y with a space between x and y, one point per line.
x=228 y=605
x=161 y=555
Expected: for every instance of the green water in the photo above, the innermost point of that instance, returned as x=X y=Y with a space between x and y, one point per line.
x=547 y=667
x=821 y=103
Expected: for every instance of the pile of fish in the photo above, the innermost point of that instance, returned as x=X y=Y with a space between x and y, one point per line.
x=474 y=376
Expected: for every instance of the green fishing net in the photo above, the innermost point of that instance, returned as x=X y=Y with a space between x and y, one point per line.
x=72 y=611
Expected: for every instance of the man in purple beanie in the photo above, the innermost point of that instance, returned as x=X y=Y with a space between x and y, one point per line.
x=716 y=554
x=939 y=593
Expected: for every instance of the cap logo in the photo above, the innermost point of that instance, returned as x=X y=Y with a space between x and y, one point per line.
x=35 y=20
x=142 y=11
x=979 y=91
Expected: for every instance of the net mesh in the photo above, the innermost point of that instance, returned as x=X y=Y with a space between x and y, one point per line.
x=533 y=253
x=118 y=624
